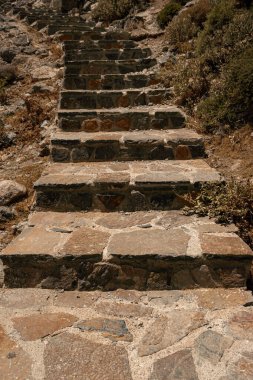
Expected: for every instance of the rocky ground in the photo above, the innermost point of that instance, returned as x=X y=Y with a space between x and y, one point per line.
x=126 y=335
x=27 y=113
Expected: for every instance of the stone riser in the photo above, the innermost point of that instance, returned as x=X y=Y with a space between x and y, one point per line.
x=102 y=44
x=120 y=121
x=108 y=82
x=110 y=197
x=109 y=67
x=78 y=273
x=76 y=100
x=92 y=151
x=112 y=54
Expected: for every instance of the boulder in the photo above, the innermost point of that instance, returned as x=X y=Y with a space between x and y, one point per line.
x=11 y=191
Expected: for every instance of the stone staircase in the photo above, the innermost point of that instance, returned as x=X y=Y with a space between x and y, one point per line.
x=107 y=210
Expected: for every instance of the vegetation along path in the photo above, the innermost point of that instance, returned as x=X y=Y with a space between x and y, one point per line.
x=107 y=216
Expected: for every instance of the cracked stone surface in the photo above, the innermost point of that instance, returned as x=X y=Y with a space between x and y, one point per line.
x=201 y=334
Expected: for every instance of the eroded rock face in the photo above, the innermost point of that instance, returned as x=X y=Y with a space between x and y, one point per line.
x=68 y=356
x=10 y=191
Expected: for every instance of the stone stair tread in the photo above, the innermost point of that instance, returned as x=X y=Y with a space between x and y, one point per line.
x=175 y=135
x=141 y=243
x=108 y=43
x=81 y=62
x=125 y=90
x=132 y=173
x=137 y=109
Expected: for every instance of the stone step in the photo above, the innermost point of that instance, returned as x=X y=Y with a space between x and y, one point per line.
x=77 y=99
x=117 y=186
x=179 y=144
x=108 y=81
x=100 y=54
x=142 y=250
x=121 y=119
x=93 y=35
x=68 y=28
x=54 y=26
x=52 y=17
x=108 y=66
x=101 y=44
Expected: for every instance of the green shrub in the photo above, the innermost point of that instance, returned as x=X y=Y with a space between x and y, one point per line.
x=188 y=23
x=110 y=10
x=230 y=202
x=168 y=12
x=233 y=102
x=218 y=18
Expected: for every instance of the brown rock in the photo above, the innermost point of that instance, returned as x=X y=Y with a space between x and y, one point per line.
x=76 y=299
x=123 y=309
x=241 y=325
x=10 y=191
x=153 y=242
x=113 y=329
x=33 y=327
x=123 y=101
x=210 y=346
x=110 y=201
x=14 y=362
x=90 y=125
x=20 y=299
x=164 y=332
x=71 y=357
x=86 y=241
x=178 y=366
x=36 y=240
x=221 y=298
x=107 y=124
x=215 y=244
x=124 y=124
x=120 y=220
x=242 y=368
x=182 y=152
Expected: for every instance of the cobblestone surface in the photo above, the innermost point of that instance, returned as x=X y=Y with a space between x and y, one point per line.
x=126 y=335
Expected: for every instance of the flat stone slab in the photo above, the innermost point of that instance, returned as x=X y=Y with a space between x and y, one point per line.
x=38 y=326
x=142 y=250
x=126 y=335
x=83 y=359
x=189 y=171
